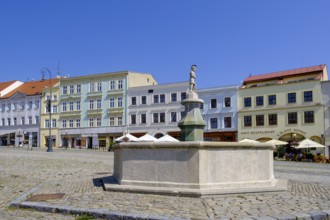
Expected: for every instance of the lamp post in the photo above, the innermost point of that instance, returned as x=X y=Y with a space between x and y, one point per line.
x=45 y=70
x=66 y=139
x=19 y=137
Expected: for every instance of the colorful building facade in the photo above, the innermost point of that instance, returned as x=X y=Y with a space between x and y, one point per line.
x=284 y=105
x=93 y=108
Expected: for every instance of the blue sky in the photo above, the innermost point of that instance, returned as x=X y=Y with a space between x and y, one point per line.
x=227 y=40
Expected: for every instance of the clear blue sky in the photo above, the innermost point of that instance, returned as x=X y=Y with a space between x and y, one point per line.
x=227 y=40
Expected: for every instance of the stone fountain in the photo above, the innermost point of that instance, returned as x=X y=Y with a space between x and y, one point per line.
x=193 y=167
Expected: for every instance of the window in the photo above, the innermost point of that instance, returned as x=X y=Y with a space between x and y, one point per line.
x=37 y=103
x=227 y=122
x=54 y=108
x=47 y=123
x=54 y=123
x=3 y=122
x=309 y=117
x=112 y=121
x=30 y=105
x=120 y=121
x=162 y=98
x=174 y=97
x=143 y=100
x=292 y=97
x=77 y=123
x=22 y=121
x=91 y=122
x=259 y=101
x=308 y=96
x=64 y=90
x=173 y=117
x=37 y=119
x=55 y=97
x=112 y=102
x=112 y=85
x=162 y=117
x=71 y=123
x=71 y=89
x=183 y=96
x=133 y=99
x=247 y=102
x=78 y=105
x=214 y=123
x=133 y=119
x=260 y=120
x=155 y=118
x=78 y=88
x=71 y=106
x=248 y=121
x=227 y=102
x=64 y=106
x=30 y=120
x=120 y=102
x=98 y=122
x=99 y=104
x=156 y=99
x=15 y=121
x=143 y=118
x=99 y=86
x=272 y=119
x=120 y=84
x=292 y=118
x=272 y=100
x=63 y=123
x=91 y=87
x=213 y=103
x=91 y=104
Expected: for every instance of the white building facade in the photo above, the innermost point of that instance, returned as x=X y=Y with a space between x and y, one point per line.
x=156 y=109
x=220 y=113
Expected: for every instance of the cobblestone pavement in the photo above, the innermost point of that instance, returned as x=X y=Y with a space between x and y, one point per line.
x=77 y=172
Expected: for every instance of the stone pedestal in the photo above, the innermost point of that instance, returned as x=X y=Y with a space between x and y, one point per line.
x=193 y=168
x=192 y=124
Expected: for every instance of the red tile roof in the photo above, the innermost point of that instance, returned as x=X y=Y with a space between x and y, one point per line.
x=281 y=74
x=4 y=85
x=32 y=88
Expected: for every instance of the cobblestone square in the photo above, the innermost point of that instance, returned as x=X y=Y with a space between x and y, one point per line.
x=76 y=173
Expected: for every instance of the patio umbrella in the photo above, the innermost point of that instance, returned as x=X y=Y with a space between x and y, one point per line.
x=307 y=143
x=277 y=142
x=129 y=137
x=167 y=138
x=246 y=140
x=147 y=137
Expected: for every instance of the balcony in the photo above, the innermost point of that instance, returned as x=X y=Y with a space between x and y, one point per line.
x=94 y=94
x=115 y=110
x=94 y=112
x=69 y=113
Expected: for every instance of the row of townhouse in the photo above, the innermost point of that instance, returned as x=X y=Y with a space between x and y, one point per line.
x=90 y=111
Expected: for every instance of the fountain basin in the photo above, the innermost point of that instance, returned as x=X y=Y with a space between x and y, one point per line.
x=194 y=168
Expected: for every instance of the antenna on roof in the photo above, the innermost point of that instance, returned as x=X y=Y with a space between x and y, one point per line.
x=59 y=70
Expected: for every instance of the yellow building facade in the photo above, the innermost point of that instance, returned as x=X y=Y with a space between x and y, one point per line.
x=45 y=122
x=284 y=105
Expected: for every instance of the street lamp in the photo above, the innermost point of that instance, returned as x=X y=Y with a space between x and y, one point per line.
x=45 y=70
x=67 y=139
x=19 y=137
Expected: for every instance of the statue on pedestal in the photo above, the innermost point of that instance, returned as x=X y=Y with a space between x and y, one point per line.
x=192 y=81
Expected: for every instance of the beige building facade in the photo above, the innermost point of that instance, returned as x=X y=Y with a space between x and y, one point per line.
x=46 y=123
x=285 y=105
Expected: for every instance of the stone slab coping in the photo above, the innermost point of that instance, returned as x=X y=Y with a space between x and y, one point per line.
x=194 y=144
x=110 y=184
